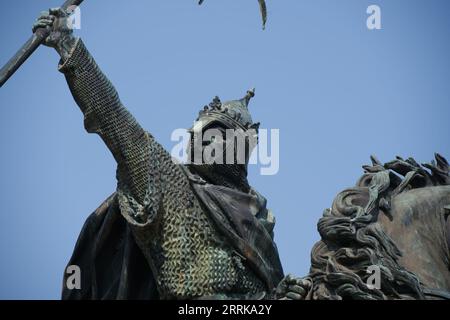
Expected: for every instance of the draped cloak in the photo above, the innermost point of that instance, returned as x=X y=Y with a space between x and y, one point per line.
x=114 y=267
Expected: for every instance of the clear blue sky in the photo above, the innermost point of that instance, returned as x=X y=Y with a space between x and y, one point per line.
x=337 y=91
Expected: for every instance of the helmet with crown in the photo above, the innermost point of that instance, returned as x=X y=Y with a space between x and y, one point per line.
x=229 y=115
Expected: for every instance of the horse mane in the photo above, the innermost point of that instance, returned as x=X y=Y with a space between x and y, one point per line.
x=352 y=240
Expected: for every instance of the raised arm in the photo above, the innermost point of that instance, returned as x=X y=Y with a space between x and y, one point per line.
x=103 y=111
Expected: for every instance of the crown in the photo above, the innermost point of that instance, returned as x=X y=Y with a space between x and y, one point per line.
x=231 y=114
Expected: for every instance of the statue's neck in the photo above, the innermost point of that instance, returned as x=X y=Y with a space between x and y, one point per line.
x=231 y=176
x=417 y=218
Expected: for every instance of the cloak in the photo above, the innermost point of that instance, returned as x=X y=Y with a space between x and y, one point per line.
x=113 y=266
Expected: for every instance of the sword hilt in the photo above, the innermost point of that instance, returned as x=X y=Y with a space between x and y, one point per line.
x=29 y=47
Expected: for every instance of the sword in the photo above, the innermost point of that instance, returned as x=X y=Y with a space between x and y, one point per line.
x=262 y=8
x=29 y=47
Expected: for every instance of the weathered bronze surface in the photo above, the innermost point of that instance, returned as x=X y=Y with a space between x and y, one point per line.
x=396 y=219
x=29 y=47
x=197 y=231
x=200 y=231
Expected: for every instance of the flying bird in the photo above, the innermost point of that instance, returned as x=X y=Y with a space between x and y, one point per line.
x=262 y=8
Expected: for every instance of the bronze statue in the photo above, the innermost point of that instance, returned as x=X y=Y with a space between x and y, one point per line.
x=170 y=231
x=394 y=219
x=200 y=231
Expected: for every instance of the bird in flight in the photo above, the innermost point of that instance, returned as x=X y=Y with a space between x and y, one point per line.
x=262 y=8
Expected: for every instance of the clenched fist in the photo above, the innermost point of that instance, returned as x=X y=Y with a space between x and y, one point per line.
x=58 y=23
x=292 y=288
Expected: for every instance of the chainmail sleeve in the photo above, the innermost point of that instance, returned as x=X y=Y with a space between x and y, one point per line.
x=105 y=115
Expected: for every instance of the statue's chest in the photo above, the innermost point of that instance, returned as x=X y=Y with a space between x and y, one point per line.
x=193 y=259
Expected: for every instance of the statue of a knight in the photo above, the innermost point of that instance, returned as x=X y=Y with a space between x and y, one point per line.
x=170 y=231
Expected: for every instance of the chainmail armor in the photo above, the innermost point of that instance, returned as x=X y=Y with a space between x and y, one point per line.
x=228 y=175
x=105 y=115
x=188 y=257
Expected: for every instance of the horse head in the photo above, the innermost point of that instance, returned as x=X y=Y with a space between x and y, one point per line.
x=394 y=221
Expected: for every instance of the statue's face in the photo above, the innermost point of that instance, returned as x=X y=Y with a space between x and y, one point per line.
x=207 y=140
x=216 y=144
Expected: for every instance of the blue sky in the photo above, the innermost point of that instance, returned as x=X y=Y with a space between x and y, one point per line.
x=336 y=91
